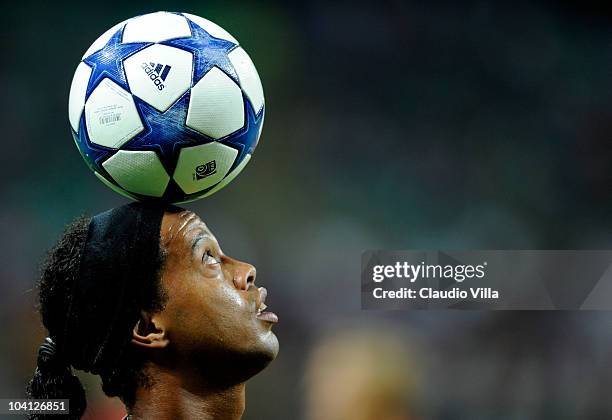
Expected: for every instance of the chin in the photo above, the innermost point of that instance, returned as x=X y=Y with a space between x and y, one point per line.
x=248 y=362
x=236 y=364
x=264 y=348
x=264 y=352
x=271 y=346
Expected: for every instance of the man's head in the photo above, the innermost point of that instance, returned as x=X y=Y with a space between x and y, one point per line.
x=189 y=308
x=213 y=320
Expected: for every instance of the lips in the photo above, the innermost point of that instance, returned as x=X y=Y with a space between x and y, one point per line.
x=268 y=317
x=265 y=316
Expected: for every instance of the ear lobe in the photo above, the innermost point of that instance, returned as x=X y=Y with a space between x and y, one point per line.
x=147 y=334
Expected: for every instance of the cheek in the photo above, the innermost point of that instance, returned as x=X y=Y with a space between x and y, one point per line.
x=222 y=304
x=208 y=309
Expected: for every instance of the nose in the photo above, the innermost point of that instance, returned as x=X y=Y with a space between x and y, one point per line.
x=244 y=275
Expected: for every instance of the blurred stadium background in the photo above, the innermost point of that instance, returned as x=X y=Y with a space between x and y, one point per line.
x=458 y=125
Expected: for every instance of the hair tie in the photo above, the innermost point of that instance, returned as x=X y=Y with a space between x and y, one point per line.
x=48 y=357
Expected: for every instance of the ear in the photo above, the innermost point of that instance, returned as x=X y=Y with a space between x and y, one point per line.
x=149 y=333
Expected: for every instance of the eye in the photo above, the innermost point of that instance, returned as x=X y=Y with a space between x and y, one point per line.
x=209 y=259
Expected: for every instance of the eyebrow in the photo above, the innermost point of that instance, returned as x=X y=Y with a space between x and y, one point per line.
x=197 y=240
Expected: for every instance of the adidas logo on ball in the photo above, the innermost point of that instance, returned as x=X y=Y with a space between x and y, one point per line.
x=157 y=73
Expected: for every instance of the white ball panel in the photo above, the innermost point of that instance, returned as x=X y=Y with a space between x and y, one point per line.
x=138 y=172
x=201 y=167
x=159 y=74
x=249 y=79
x=113 y=186
x=103 y=39
x=215 y=107
x=111 y=116
x=78 y=88
x=211 y=27
x=156 y=27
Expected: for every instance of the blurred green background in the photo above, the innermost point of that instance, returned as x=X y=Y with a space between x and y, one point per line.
x=457 y=125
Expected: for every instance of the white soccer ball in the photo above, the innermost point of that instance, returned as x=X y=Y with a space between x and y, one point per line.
x=166 y=106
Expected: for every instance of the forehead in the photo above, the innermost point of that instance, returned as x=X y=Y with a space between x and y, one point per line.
x=180 y=228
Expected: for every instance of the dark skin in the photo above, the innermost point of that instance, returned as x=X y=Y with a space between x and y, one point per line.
x=212 y=335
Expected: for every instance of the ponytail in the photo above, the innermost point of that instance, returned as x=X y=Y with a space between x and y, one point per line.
x=53 y=379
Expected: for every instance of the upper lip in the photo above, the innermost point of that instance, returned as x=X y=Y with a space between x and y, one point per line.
x=260 y=299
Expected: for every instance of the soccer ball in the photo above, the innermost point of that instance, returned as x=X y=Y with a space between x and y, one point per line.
x=166 y=106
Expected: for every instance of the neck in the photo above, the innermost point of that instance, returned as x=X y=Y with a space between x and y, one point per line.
x=174 y=397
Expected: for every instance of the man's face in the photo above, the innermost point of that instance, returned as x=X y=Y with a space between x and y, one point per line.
x=214 y=317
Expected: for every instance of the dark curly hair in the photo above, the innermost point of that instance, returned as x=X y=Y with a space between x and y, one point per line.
x=58 y=271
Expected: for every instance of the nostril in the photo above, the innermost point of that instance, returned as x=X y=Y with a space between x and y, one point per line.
x=251 y=276
x=244 y=277
x=251 y=279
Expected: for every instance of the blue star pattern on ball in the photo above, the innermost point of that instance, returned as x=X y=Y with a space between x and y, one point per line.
x=208 y=52
x=245 y=140
x=108 y=61
x=165 y=132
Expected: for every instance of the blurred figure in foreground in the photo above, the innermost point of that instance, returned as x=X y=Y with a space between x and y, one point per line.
x=361 y=374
